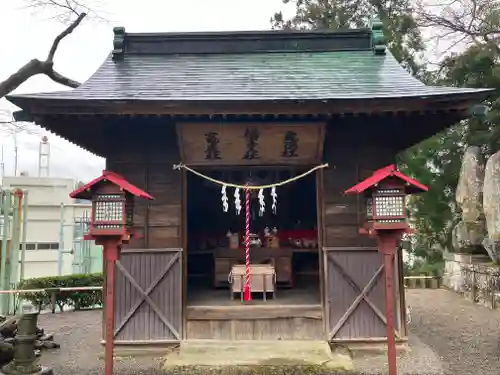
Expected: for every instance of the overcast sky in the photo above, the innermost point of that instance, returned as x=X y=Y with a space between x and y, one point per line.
x=26 y=35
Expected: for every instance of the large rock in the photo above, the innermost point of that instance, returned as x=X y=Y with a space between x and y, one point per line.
x=469 y=194
x=493 y=249
x=491 y=199
x=491 y=196
x=468 y=237
x=469 y=233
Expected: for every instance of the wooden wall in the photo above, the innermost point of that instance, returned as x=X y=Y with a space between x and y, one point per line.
x=351 y=260
x=144 y=154
x=353 y=154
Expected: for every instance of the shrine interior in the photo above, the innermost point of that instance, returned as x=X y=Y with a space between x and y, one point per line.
x=283 y=241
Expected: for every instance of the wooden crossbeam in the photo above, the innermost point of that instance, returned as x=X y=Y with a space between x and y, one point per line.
x=363 y=295
x=145 y=297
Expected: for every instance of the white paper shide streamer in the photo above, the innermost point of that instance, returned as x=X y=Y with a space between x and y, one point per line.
x=262 y=202
x=274 y=195
x=237 y=201
x=225 y=205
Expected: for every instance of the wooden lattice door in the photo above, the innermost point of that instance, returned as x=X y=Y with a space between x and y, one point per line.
x=149 y=296
x=355 y=295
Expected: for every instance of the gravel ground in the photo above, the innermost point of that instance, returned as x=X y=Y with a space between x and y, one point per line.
x=465 y=336
x=448 y=335
x=79 y=334
x=420 y=360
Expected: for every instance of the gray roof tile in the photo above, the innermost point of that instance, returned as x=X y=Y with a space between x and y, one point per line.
x=248 y=66
x=258 y=76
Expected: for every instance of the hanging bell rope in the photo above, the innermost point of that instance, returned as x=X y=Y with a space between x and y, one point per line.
x=247 y=295
x=250 y=187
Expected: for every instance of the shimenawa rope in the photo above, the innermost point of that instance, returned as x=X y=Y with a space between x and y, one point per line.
x=250 y=187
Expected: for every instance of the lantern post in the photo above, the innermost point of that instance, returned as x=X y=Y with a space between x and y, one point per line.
x=386 y=219
x=111 y=225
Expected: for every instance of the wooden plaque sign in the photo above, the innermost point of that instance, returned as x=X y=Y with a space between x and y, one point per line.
x=250 y=144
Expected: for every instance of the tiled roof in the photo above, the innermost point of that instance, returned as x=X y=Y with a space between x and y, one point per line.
x=246 y=66
x=262 y=76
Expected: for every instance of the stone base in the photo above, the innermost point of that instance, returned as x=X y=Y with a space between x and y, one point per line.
x=43 y=371
x=493 y=248
x=204 y=354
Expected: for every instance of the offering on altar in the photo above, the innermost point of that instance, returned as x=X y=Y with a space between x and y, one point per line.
x=267 y=232
x=295 y=242
x=255 y=240
x=271 y=239
x=309 y=243
x=233 y=240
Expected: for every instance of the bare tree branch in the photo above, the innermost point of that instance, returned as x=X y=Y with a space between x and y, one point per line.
x=59 y=78
x=461 y=22
x=35 y=66
x=66 y=10
x=64 y=34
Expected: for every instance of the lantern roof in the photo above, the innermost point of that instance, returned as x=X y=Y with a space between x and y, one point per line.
x=412 y=186
x=85 y=191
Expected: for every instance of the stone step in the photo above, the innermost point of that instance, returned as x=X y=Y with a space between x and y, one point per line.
x=210 y=353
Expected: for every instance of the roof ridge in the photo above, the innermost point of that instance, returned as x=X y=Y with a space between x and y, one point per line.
x=378 y=37
x=251 y=41
x=240 y=42
x=118 y=43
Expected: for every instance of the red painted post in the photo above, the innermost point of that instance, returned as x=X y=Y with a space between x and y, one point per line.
x=115 y=189
x=248 y=289
x=111 y=252
x=387 y=242
x=387 y=221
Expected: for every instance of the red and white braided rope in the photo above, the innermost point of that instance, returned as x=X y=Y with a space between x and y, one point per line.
x=248 y=292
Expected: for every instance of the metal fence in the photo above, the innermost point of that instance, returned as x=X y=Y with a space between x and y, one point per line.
x=13 y=207
x=481 y=285
x=14 y=225
x=87 y=256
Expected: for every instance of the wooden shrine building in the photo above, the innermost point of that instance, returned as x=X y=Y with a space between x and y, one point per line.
x=261 y=106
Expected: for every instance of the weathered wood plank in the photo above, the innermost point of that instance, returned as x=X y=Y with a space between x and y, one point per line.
x=164 y=237
x=253 y=312
x=343 y=208
x=341 y=231
x=165 y=215
x=341 y=219
x=261 y=329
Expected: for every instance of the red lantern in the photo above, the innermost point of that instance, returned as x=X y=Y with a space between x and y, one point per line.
x=112 y=204
x=386 y=219
x=385 y=198
x=111 y=225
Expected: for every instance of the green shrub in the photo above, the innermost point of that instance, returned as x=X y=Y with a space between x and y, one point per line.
x=424 y=268
x=76 y=299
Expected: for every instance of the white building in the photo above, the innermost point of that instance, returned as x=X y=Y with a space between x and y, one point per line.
x=50 y=224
